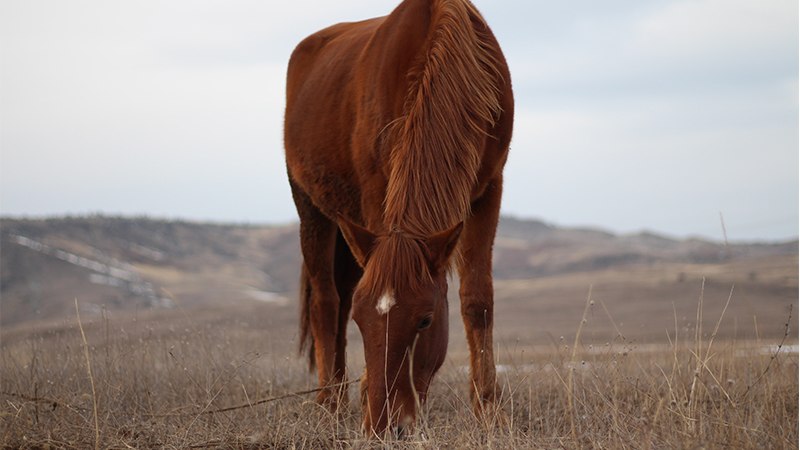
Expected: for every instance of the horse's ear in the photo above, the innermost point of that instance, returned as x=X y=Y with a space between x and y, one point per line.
x=441 y=246
x=360 y=239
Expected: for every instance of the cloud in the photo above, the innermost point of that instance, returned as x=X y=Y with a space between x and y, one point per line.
x=657 y=115
x=663 y=46
x=630 y=114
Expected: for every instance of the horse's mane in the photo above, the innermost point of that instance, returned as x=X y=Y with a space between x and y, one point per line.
x=452 y=101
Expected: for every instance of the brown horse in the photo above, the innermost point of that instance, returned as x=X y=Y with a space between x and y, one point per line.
x=397 y=129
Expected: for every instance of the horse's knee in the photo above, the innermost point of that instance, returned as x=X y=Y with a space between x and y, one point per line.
x=477 y=315
x=324 y=309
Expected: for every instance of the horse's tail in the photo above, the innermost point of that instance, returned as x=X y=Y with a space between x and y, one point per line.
x=306 y=339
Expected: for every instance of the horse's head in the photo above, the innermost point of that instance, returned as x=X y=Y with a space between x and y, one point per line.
x=400 y=306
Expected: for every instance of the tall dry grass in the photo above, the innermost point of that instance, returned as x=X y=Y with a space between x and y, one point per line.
x=191 y=383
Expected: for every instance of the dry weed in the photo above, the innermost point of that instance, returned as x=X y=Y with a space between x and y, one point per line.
x=208 y=386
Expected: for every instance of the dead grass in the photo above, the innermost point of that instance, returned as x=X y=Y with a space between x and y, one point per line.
x=162 y=382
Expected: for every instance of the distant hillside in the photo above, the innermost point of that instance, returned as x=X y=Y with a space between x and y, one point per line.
x=129 y=263
x=530 y=249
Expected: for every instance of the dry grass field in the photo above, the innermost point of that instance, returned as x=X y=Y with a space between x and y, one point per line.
x=228 y=377
x=605 y=342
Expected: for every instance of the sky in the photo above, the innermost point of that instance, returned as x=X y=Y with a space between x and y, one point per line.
x=666 y=116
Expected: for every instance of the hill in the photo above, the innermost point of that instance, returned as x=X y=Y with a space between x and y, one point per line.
x=531 y=249
x=132 y=264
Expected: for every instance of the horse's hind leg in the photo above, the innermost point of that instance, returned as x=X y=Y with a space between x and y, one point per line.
x=477 y=299
x=347 y=273
x=318 y=246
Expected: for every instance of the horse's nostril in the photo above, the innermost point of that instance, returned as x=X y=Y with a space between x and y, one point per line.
x=400 y=431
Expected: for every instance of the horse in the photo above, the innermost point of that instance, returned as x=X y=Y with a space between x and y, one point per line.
x=396 y=132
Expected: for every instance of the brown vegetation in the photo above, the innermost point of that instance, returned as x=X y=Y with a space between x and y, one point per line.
x=208 y=379
x=163 y=376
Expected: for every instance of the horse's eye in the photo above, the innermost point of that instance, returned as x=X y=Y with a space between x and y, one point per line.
x=426 y=322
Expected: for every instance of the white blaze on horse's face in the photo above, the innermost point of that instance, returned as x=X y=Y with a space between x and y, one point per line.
x=385 y=303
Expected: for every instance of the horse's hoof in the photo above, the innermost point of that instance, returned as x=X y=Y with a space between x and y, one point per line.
x=491 y=415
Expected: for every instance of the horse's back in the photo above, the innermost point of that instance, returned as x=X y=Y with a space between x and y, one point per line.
x=320 y=113
x=319 y=74
x=348 y=89
x=329 y=51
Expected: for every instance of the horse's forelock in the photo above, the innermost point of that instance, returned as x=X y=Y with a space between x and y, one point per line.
x=398 y=263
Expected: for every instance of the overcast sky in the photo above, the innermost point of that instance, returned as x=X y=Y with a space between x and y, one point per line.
x=630 y=115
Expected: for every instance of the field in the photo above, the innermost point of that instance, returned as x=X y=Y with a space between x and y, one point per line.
x=642 y=357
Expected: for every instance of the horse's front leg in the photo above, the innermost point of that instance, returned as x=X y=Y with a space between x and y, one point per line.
x=477 y=300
